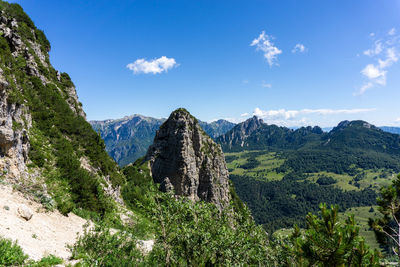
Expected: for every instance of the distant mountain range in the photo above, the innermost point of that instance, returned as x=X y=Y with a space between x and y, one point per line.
x=391 y=129
x=307 y=149
x=282 y=174
x=128 y=138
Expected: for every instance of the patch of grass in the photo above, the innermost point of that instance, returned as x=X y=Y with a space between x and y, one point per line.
x=264 y=170
x=373 y=179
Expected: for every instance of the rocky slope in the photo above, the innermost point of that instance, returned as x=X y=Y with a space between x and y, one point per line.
x=128 y=138
x=47 y=148
x=216 y=128
x=43 y=232
x=185 y=159
x=238 y=134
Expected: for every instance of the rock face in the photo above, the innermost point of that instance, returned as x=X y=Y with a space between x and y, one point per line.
x=184 y=158
x=128 y=138
x=14 y=142
x=240 y=132
x=41 y=118
x=15 y=119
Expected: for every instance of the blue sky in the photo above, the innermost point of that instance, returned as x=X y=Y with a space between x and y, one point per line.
x=229 y=59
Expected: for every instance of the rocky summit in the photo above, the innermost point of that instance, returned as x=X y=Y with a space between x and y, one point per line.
x=185 y=159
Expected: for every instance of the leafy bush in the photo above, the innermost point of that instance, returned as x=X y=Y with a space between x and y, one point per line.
x=48 y=261
x=138 y=189
x=10 y=253
x=197 y=234
x=100 y=247
x=326 y=241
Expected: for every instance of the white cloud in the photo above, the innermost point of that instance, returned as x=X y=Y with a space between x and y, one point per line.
x=375 y=73
x=153 y=66
x=398 y=119
x=265 y=44
x=385 y=53
x=363 y=88
x=245 y=81
x=299 y=48
x=372 y=34
x=376 y=50
x=266 y=85
x=302 y=117
x=291 y=114
x=391 y=58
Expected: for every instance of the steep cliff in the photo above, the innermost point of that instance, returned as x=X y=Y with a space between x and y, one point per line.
x=47 y=148
x=128 y=138
x=238 y=134
x=185 y=159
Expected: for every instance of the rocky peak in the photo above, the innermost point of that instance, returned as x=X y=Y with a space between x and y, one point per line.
x=353 y=124
x=28 y=43
x=185 y=159
x=241 y=131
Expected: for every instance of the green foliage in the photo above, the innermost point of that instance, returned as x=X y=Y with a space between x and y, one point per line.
x=10 y=253
x=349 y=146
x=42 y=39
x=338 y=160
x=328 y=242
x=47 y=261
x=197 y=234
x=16 y=11
x=387 y=227
x=251 y=163
x=138 y=190
x=237 y=203
x=71 y=137
x=100 y=247
x=325 y=180
x=186 y=234
x=281 y=204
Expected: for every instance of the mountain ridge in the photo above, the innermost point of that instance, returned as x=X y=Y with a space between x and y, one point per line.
x=128 y=138
x=185 y=160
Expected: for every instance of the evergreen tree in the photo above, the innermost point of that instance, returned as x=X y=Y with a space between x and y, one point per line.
x=328 y=242
x=387 y=228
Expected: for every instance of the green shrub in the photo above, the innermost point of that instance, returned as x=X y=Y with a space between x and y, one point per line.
x=48 y=261
x=10 y=253
x=100 y=247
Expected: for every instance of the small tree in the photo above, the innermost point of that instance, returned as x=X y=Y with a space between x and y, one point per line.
x=328 y=242
x=387 y=228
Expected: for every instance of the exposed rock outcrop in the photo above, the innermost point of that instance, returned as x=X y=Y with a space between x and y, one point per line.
x=184 y=158
x=240 y=132
x=14 y=142
x=128 y=138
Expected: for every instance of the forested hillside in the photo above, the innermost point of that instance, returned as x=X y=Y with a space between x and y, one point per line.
x=282 y=174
